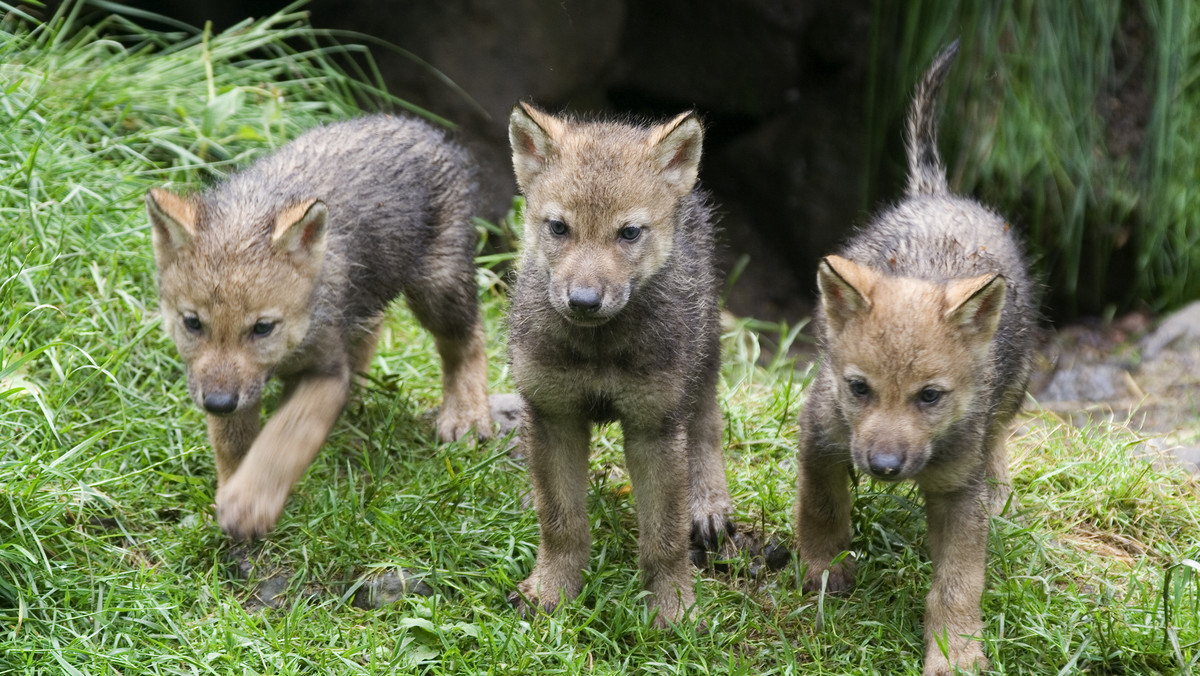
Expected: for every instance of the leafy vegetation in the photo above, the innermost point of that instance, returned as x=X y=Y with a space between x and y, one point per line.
x=1078 y=121
x=110 y=561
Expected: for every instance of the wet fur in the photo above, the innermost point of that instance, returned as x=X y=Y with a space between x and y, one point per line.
x=933 y=293
x=317 y=239
x=647 y=357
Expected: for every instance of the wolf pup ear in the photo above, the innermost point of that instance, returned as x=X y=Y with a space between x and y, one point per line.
x=676 y=146
x=172 y=223
x=300 y=232
x=534 y=138
x=845 y=288
x=974 y=304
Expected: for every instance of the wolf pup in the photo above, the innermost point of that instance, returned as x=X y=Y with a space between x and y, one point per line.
x=286 y=269
x=615 y=317
x=926 y=322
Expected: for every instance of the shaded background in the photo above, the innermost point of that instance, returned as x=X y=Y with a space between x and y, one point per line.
x=1076 y=121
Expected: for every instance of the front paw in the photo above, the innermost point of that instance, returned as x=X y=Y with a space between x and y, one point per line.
x=247 y=507
x=841 y=575
x=712 y=534
x=456 y=421
x=967 y=657
x=531 y=595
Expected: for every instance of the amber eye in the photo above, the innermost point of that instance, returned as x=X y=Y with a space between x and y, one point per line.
x=930 y=395
x=859 y=387
x=630 y=233
x=262 y=328
x=192 y=323
x=557 y=227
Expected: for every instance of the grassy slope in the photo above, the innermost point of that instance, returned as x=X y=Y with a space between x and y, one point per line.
x=110 y=561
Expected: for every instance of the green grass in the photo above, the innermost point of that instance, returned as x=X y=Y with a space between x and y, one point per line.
x=110 y=561
x=1078 y=121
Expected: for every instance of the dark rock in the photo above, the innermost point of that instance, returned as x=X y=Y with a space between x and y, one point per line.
x=268 y=593
x=506 y=411
x=390 y=586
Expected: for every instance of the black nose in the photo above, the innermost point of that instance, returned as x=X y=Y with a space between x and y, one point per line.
x=885 y=463
x=584 y=299
x=220 y=402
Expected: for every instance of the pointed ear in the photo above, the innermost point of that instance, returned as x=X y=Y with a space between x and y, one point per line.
x=534 y=137
x=676 y=146
x=172 y=223
x=845 y=289
x=974 y=304
x=300 y=232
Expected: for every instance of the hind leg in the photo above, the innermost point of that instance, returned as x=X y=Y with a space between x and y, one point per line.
x=362 y=349
x=445 y=304
x=999 y=485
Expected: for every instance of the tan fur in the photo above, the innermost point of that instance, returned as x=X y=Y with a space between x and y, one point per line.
x=926 y=323
x=285 y=270
x=606 y=327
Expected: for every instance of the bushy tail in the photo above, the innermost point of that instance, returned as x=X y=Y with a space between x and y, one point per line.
x=926 y=175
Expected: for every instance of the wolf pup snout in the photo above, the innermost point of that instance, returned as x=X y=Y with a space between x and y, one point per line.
x=614 y=318
x=926 y=325
x=286 y=269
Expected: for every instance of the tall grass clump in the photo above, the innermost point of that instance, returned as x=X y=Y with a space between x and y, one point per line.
x=1078 y=121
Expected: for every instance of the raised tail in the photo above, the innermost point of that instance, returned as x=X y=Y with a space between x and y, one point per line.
x=926 y=174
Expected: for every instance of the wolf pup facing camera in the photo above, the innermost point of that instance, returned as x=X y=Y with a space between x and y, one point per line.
x=285 y=270
x=615 y=318
x=926 y=325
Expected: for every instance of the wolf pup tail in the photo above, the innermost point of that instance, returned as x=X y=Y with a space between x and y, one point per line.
x=926 y=175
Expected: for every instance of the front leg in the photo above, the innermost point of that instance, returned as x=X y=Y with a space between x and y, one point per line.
x=250 y=502
x=557 y=451
x=823 y=514
x=231 y=436
x=710 y=505
x=656 y=454
x=958 y=531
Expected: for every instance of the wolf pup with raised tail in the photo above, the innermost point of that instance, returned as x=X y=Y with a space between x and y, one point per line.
x=926 y=325
x=286 y=269
x=615 y=318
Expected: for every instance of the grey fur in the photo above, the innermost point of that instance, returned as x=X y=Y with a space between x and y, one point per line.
x=931 y=242
x=652 y=364
x=312 y=243
x=926 y=174
x=400 y=199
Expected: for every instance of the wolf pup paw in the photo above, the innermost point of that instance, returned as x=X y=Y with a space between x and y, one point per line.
x=841 y=577
x=247 y=509
x=454 y=424
x=968 y=658
x=712 y=534
x=529 y=597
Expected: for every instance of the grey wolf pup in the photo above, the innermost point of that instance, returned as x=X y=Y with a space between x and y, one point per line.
x=615 y=317
x=286 y=269
x=926 y=325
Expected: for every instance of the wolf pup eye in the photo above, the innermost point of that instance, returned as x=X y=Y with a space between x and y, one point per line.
x=262 y=328
x=630 y=233
x=192 y=323
x=557 y=227
x=859 y=387
x=930 y=395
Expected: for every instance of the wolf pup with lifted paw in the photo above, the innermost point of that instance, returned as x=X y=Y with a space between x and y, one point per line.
x=615 y=318
x=286 y=269
x=926 y=324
